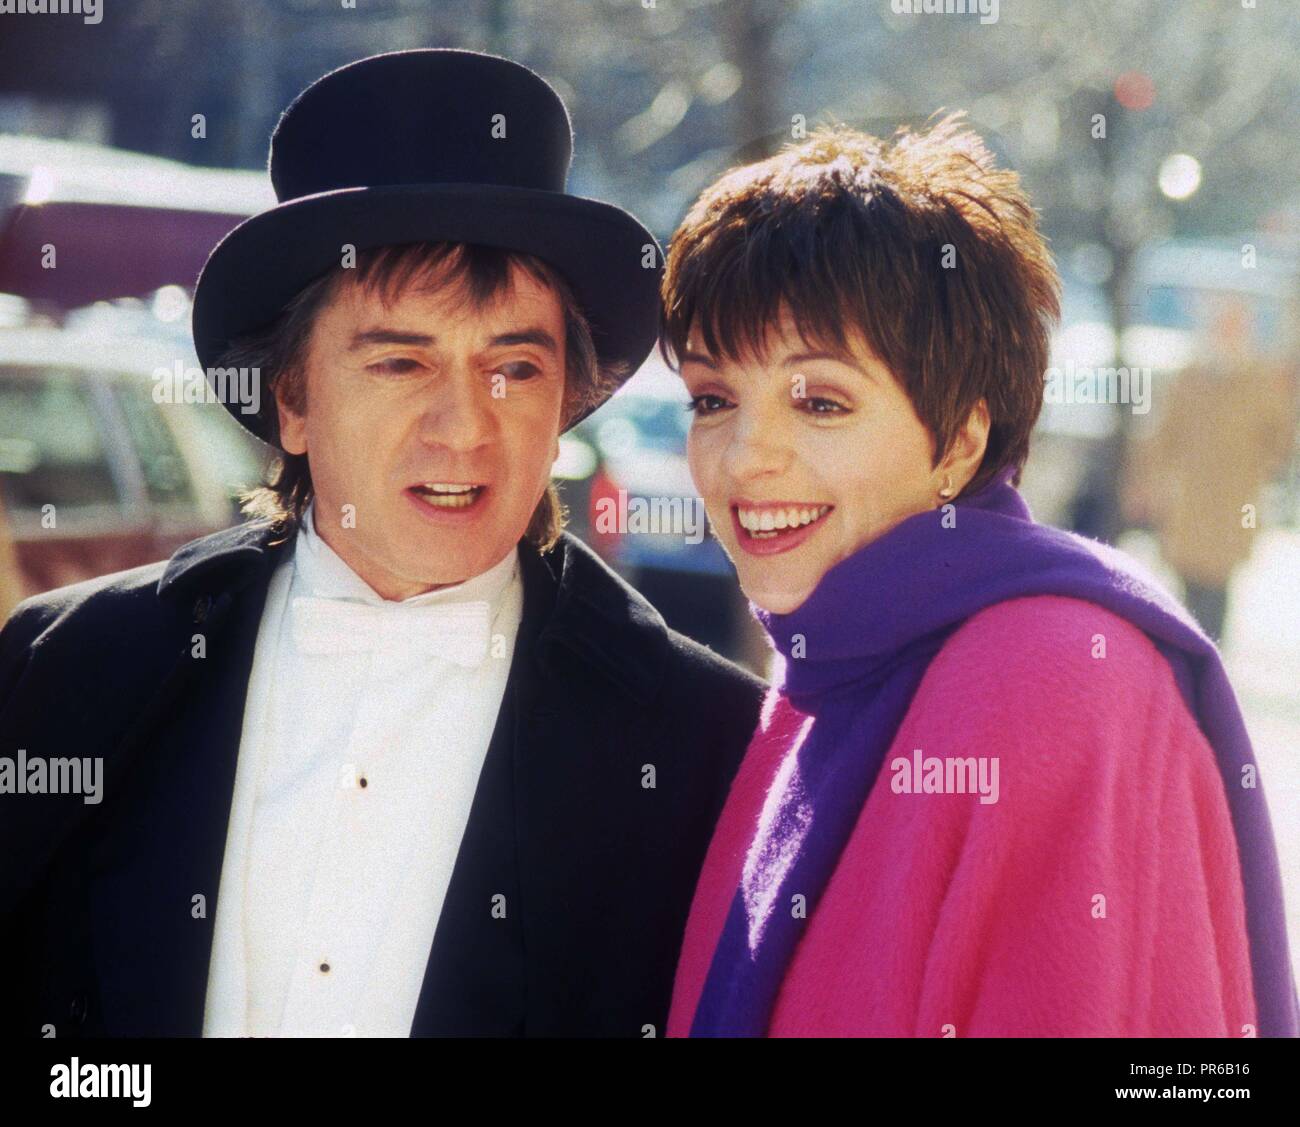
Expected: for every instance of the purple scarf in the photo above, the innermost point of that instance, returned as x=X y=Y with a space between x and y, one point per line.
x=864 y=639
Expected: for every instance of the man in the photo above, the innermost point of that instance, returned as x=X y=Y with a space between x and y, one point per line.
x=399 y=757
x=1225 y=430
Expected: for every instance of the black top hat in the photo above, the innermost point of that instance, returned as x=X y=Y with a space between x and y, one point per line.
x=428 y=145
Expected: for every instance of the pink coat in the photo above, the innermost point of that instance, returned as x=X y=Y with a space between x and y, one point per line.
x=1100 y=895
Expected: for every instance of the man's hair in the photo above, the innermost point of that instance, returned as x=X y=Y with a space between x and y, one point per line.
x=482 y=274
x=921 y=243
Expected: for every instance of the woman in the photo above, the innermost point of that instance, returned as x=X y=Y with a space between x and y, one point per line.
x=1001 y=785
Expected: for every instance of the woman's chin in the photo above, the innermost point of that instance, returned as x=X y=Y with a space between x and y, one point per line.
x=775 y=599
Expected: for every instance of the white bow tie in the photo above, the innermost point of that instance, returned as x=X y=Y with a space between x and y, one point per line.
x=453 y=632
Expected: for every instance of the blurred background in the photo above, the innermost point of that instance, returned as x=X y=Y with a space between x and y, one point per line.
x=1157 y=138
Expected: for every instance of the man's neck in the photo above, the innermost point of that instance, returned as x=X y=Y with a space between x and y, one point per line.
x=384 y=583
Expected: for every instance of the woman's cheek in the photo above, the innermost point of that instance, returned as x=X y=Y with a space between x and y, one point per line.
x=703 y=466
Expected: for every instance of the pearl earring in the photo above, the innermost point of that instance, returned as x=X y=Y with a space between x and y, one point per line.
x=946 y=491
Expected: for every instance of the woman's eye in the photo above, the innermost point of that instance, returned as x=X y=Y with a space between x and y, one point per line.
x=819 y=405
x=518 y=370
x=706 y=404
x=394 y=366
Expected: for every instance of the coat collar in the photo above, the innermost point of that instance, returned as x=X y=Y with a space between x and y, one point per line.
x=595 y=614
x=225 y=559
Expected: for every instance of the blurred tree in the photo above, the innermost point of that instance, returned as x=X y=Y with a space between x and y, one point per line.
x=1087 y=99
x=666 y=94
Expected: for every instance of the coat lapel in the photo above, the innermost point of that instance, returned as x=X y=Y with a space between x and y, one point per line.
x=519 y=906
x=475 y=979
x=156 y=864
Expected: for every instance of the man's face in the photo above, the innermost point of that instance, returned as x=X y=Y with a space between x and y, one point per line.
x=430 y=427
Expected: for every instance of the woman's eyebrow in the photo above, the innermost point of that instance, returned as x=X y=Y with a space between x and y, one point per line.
x=804 y=357
x=849 y=361
x=697 y=358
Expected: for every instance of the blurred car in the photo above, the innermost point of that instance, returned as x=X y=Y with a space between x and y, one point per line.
x=95 y=474
x=123 y=224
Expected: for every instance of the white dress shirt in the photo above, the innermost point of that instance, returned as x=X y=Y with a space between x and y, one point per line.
x=365 y=728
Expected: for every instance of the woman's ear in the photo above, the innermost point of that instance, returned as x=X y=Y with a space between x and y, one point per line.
x=963 y=459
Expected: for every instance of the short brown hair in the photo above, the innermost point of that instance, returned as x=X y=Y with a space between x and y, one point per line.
x=845 y=227
x=279 y=351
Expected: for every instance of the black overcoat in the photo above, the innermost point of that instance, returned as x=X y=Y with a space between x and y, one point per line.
x=611 y=757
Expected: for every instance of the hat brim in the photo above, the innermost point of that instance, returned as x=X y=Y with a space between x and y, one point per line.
x=599 y=249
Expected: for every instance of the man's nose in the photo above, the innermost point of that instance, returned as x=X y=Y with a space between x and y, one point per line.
x=459 y=413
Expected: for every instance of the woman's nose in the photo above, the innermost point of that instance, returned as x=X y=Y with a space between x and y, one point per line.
x=758 y=447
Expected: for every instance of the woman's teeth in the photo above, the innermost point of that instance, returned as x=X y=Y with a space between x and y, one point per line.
x=446 y=495
x=764 y=524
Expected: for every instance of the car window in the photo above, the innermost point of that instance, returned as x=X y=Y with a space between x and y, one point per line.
x=166 y=477
x=52 y=450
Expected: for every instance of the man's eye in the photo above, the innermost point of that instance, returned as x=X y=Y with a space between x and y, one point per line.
x=394 y=366
x=518 y=370
x=706 y=404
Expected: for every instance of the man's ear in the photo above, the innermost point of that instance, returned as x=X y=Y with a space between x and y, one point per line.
x=293 y=427
x=967 y=451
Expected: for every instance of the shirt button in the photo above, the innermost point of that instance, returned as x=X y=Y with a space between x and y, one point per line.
x=363 y=781
x=324 y=968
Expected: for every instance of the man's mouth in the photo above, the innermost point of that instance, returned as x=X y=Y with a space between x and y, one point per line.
x=447 y=494
x=769 y=522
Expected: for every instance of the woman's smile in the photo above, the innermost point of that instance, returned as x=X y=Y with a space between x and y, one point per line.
x=764 y=528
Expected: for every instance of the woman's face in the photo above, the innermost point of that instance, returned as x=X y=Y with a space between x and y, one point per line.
x=803 y=456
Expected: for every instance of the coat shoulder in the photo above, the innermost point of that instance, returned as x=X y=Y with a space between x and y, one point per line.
x=93 y=620
x=707 y=672
x=1038 y=641
x=632 y=633
x=100 y=601
x=69 y=624
x=1064 y=689
x=93 y=604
